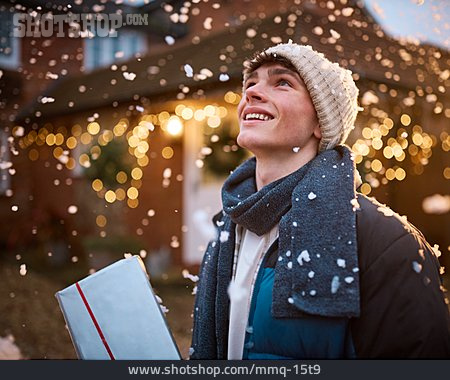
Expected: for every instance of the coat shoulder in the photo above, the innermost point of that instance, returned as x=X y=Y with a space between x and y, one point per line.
x=379 y=228
x=400 y=289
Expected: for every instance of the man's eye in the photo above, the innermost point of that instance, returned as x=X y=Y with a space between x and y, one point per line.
x=249 y=84
x=284 y=82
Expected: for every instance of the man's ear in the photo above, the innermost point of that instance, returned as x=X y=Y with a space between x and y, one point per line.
x=317 y=132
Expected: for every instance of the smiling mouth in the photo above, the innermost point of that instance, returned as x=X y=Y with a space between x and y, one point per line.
x=257 y=116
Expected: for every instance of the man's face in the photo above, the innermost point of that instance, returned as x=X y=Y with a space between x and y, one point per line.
x=276 y=114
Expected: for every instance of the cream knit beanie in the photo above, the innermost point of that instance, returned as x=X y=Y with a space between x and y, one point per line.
x=331 y=87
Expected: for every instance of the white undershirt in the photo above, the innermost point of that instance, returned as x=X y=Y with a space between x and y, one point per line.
x=251 y=251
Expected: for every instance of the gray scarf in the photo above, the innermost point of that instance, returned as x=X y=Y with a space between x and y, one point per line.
x=317 y=268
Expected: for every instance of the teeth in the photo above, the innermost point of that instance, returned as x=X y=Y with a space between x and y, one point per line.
x=259 y=116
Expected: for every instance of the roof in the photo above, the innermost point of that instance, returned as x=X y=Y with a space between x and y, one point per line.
x=356 y=42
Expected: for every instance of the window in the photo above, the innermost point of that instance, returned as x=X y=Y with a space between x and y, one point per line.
x=9 y=45
x=104 y=51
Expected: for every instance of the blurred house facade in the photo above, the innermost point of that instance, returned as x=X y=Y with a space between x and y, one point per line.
x=131 y=156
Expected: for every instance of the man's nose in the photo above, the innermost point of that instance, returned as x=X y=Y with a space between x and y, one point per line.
x=255 y=92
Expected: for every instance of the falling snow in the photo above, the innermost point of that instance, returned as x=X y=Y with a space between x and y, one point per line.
x=129 y=76
x=191 y=277
x=436 y=250
x=169 y=40
x=356 y=206
x=23 y=269
x=335 y=34
x=335 y=284
x=72 y=209
x=188 y=70
x=251 y=33
x=340 y=263
x=5 y=165
x=303 y=256
x=347 y=12
x=19 y=132
x=207 y=24
x=390 y=138
x=312 y=196
x=47 y=99
x=224 y=235
x=8 y=349
x=386 y=211
x=50 y=75
x=417 y=267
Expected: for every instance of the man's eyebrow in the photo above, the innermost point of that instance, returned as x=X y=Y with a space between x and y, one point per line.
x=280 y=71
x=253 y=74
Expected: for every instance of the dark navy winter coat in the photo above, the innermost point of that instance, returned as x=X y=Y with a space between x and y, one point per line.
x=403 y=313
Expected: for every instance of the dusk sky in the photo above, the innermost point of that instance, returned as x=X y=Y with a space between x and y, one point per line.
x=427 y=20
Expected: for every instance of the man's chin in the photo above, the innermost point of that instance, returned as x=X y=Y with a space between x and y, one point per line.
x=246 y=141
x=255 y=147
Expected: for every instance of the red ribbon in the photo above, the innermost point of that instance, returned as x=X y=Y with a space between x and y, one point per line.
x=97 y=326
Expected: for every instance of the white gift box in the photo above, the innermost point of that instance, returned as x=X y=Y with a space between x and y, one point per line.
x=113 y=314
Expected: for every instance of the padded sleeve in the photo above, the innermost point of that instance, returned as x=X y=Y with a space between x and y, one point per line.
x=403 y=312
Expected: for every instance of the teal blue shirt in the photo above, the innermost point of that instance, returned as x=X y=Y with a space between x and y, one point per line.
x=307 y=337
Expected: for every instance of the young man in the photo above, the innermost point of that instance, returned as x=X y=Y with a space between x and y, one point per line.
x=303 y=266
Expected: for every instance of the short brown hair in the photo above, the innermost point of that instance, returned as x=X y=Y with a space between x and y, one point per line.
x=259 y=59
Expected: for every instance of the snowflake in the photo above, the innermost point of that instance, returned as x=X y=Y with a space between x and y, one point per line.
x=23 y=269
x=129 y=76
x=335 y=284
x=355 y=204
x=191 y=277
x=303 y=256
x=312 y=196
x=340 y=263
x=417 y=267
x=169 y=40
x=386 y=211
x=188 y=70
x=349 y=279
x=224 y=235
x=436 y=251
